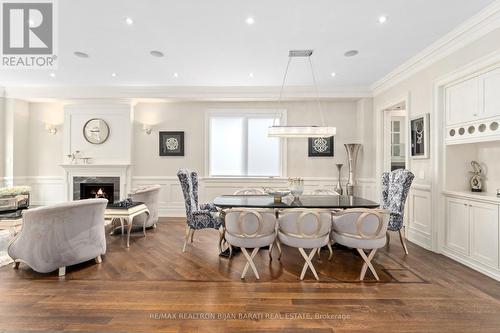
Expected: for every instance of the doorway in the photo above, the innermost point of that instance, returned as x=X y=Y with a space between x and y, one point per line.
x=395 y=138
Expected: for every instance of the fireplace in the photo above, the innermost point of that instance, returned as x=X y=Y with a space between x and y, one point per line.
x=96 y=187
x=97 y=190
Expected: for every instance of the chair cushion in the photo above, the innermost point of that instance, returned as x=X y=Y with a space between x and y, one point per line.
x=250 y=242
x=306 y=243
x=367 y=244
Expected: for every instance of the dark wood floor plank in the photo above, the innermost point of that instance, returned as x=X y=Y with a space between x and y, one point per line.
x=136 y=289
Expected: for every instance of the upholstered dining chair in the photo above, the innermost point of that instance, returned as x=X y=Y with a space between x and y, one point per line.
x=305 y=229
x=61 y=235
x=249 y=191
x=395 y=187
x=198 y=216
x=150 y=195
x=362 y=229
x=323 y=191
x=250 y=229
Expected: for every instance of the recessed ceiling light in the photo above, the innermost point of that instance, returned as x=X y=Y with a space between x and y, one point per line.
x=113 y=74
x=176 y=74
x=156 y=53
x=250 y=20
x=52 y=74
x=250 y=75
x=382 y=19
x=351 y=53
x=129 y=20
x=333 y=74
x=81 y=54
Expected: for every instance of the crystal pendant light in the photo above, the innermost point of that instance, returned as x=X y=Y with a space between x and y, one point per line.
x=302 y=131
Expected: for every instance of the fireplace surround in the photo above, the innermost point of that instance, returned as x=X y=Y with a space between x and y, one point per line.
x=96 y=187
x=116 y=174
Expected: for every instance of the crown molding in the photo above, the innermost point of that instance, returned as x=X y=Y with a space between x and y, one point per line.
x=181 y=93
x=476 y=27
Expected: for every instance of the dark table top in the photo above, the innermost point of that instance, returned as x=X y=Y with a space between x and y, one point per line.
x=305 y=201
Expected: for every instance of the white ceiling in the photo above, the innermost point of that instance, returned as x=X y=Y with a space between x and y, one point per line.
x=208 y=43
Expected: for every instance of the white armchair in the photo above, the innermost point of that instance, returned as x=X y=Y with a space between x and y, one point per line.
x=61 y=235
x=150 y=195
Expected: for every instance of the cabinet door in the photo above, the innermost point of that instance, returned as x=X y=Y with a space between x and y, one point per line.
x=484 y=232
x=457 y=225
x=462 y=102
x=491 y=93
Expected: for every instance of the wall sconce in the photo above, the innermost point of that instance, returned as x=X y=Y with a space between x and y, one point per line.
x=147 y=128
x=52 y=129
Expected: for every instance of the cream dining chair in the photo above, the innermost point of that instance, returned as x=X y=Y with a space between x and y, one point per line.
x=249 y=191
x=250 y=229
x=305 y=229
x=362 y=229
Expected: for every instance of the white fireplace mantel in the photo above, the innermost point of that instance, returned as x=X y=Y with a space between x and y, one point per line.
x=97 y=170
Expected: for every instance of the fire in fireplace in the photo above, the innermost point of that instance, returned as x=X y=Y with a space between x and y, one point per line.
x=97 y=190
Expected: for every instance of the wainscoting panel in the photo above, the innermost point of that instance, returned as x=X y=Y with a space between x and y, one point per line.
x=420 y=220
x=172 y=201
x=50 y=190
x=45 y=191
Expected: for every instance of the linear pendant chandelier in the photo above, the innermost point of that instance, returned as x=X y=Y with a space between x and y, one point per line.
x=302 y=131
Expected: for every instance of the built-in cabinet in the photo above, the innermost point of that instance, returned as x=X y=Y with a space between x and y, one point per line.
x=472 y=108
x=472 y=232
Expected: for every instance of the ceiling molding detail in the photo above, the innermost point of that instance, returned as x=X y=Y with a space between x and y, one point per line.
x=476 y=27
x=183 y=93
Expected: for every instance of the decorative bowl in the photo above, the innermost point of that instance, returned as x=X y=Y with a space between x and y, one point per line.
x=277 y=194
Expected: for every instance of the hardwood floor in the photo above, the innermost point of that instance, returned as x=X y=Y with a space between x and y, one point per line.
x=153 y=286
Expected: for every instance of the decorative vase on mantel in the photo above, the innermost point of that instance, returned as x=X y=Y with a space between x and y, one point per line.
x=338 y=187
x=352 y=154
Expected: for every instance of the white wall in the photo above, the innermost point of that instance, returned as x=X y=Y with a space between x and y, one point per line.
x=2 y=140
x=420 y=89
x=190 y=118
x=45 y=150
x=42 y=153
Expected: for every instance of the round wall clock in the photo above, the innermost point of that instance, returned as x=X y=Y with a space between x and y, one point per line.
x=96 y=131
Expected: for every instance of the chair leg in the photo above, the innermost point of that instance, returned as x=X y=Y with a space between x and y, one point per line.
x=15 y=265
x=154 y=226
x=308 y=262
x=271 y=252
x=250 y=262
x=186 y=238
x=278 y=245
x=192 y=236
x=367 y=264
x=98 y=259
x=388 y=238
x=230 y=251
x=62 y=271
x=403 y=240
x=331 y=251
x=221 y=238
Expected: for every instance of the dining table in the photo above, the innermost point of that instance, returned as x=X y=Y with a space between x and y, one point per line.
x=304 y=201
x=331 y=202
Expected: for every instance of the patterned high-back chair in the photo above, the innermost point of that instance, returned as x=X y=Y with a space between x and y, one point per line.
x=204 y=216
x=395 y=187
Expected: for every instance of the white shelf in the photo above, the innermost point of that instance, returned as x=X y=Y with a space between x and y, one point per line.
x=478 y=196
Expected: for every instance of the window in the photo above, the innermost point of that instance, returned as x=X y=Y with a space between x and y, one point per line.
x=239 y=145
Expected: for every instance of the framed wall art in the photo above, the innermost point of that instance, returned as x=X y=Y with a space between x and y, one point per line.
x=171 y=143
x=320 y=147
x=419 y=133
